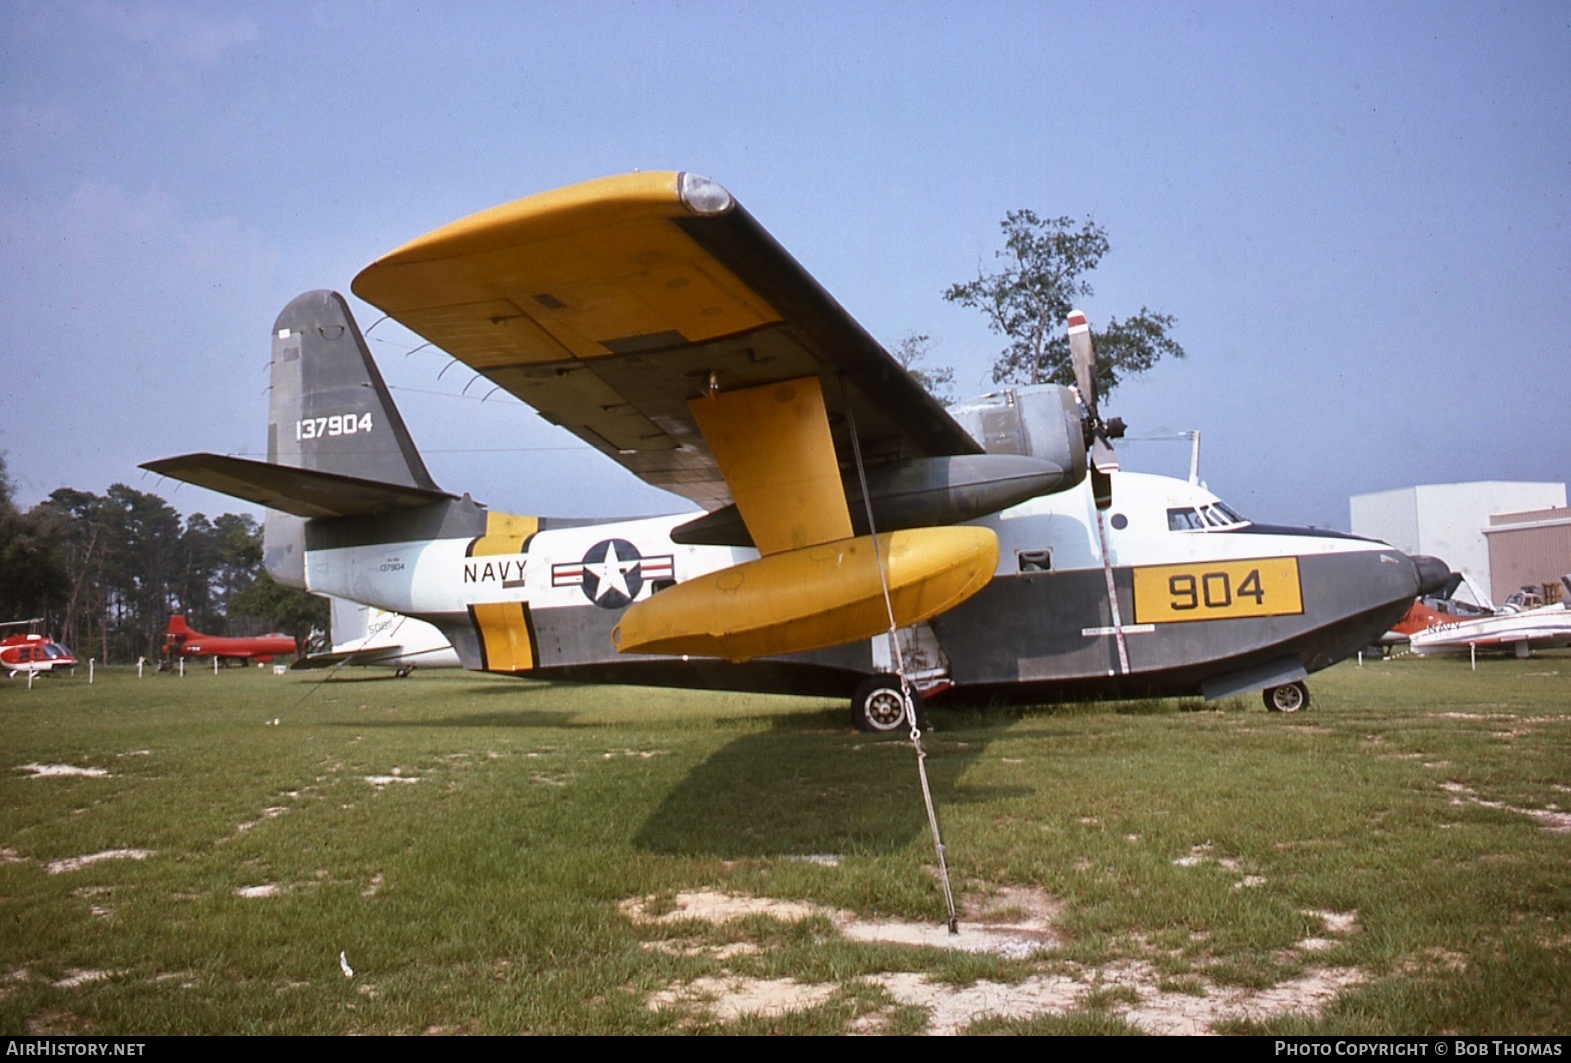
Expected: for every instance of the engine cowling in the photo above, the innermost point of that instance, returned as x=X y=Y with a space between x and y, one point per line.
x=1043 y=421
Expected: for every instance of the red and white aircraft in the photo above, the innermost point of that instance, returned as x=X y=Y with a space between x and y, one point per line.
x=181 y=641
x=32 y=653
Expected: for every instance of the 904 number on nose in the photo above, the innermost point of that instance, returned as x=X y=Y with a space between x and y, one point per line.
x=1217 y=590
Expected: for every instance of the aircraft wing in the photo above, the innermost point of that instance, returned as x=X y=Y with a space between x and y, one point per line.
x=609 y=306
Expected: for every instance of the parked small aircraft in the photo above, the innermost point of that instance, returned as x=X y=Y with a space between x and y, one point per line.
x=181 y=641
x=32 y=652
x=1432 y=610
x=653 y=317
x=1523 y=625
x=365 y=635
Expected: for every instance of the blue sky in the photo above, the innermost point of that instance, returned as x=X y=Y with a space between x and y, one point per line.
x=1359 y=214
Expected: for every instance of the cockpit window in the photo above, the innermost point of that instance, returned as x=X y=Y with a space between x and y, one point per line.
x=1213 y=515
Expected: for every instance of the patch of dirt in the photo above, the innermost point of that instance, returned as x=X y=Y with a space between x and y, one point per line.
x=11 y=856
x=729 y=999
x=712 y=906
x=187 y=979
x=693 y=949
x=1553 y=821
x=42 y=771
x=267 y=813
x=380 y=781
x=374 y=887
x=1017 y=924
x=1338 y=923
x=952 y=1009
x=75 y=978
x=267 y=889
x=76 y=863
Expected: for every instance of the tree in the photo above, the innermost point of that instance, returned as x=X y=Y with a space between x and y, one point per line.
x=33 y=580
x=1042 y=277
x=938 y=382
x=291 y=611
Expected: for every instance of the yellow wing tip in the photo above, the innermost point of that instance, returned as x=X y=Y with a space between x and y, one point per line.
x=572 y=207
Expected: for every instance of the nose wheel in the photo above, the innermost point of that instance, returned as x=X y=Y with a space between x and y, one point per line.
x=878 y=706
x=1289 y=697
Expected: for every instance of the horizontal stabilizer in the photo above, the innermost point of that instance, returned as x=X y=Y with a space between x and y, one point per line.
x=380 y=655
x=303 y=492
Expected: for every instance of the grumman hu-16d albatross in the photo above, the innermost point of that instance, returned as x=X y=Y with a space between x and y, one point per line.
x=652 y=316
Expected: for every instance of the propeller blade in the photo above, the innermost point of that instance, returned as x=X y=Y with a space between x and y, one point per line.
x=1101 y=487
x=1103 y=464
x=1083 y=359
x=1102 y=455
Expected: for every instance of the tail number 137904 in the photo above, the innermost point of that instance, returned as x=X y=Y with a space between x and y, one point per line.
x=338 y=424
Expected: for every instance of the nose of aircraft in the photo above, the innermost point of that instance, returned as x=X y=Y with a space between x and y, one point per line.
x=1433 y=573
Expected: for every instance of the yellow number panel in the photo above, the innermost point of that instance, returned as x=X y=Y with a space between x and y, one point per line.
x=1217 y=590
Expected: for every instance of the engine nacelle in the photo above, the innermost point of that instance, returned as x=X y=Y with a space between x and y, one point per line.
x=1043 y=421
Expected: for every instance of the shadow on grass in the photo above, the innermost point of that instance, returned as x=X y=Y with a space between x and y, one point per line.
x=521 y=719
x=797 y=790
x=335 y=680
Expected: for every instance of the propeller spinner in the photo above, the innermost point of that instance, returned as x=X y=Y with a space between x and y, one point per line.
x=1099 y=433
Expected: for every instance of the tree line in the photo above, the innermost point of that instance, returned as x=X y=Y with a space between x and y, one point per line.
x=105 y=573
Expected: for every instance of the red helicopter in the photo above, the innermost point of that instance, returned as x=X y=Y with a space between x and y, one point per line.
x=181 y=641
x=32 y=653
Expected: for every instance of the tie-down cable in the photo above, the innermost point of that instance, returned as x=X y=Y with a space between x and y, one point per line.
x=907 y=692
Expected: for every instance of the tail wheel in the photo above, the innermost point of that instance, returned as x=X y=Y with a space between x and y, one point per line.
x=1290 y=697
x=878 y=705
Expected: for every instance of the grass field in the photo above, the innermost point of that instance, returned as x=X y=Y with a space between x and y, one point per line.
x=206 y=854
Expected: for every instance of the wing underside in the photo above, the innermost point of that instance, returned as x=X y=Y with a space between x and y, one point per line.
x=609 y=306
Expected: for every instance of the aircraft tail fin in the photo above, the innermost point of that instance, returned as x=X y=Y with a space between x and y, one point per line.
x=177 y=626
x=337 y=446
x=330 y=412
x=330 y=409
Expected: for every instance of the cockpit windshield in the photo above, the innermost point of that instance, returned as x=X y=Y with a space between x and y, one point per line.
x=1215 y=515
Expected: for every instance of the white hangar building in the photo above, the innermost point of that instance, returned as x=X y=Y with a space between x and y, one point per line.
x=1448 y=520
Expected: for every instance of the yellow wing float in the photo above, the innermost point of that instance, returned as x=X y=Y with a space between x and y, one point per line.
x=650 y=315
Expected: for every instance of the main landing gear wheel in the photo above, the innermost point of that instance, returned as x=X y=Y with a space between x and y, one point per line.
x=1290 y=697
x=877 y=705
